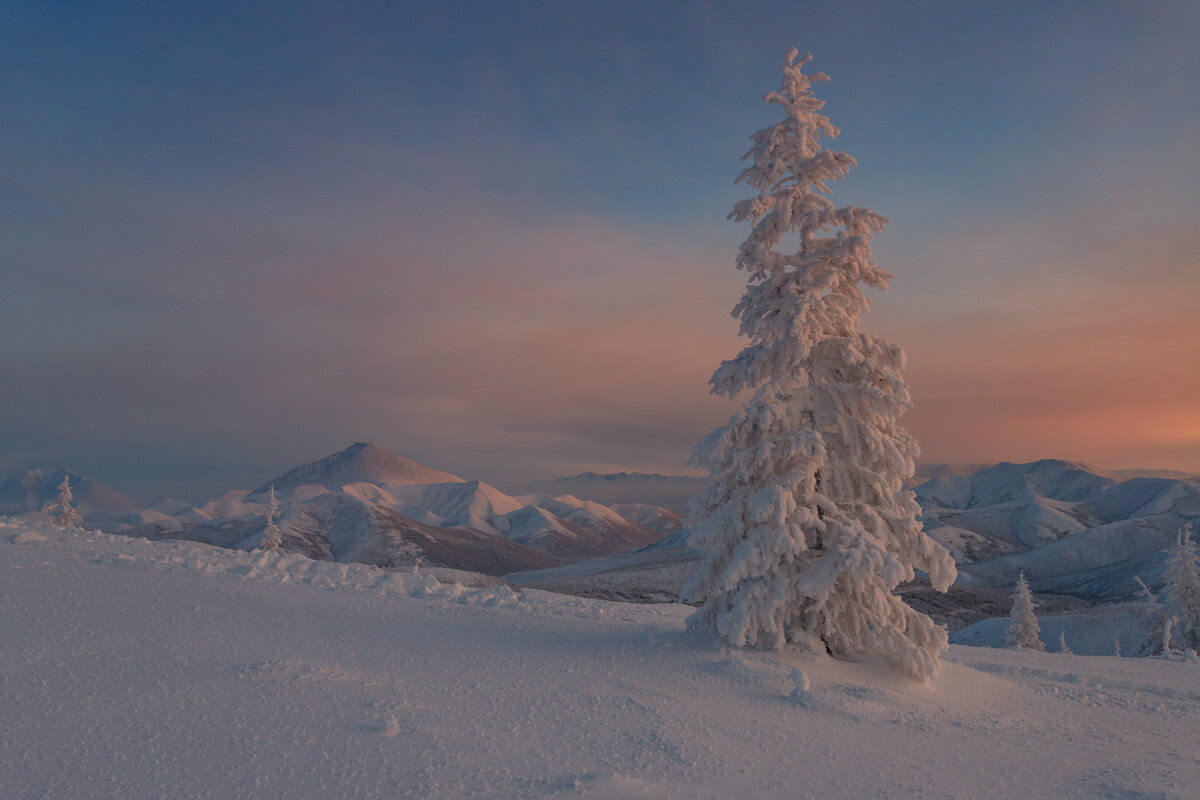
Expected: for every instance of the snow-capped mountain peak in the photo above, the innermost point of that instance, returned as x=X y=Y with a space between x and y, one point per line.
x=362 y=462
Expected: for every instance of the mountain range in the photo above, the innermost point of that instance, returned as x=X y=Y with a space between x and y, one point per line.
x=1070 y=529
x=1074 y=530
x=365 y=504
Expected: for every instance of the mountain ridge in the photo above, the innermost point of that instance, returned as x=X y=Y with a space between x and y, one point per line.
x=366 y=504
x=1074 y=532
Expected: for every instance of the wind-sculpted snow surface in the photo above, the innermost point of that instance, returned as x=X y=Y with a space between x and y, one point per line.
x=173 y=669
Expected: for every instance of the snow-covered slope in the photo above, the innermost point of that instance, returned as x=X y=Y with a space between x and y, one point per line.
x=652 y=574
x=341 y=526
x=1102 y=631
x=563 y=526
x=1031 y=522
x=656 y=518
x=1148 y=497
x=140 y=669
x=1100 y=562
x=1069 y=528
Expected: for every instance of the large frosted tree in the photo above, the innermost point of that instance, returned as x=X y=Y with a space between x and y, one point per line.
x=805 y=527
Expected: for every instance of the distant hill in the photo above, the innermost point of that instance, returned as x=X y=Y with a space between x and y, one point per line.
x=362 y=462
x=925 y=472
x=672 y=492
x=1126 y=474
x=29 y=491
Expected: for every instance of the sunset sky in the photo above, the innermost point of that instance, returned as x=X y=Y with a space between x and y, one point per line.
x=491 y=236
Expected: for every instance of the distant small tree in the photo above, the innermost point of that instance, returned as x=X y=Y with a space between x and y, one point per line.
x=1181 y=597
x=65 y=515
x=272 y=536
x=1024 y=629
x=1062 y=643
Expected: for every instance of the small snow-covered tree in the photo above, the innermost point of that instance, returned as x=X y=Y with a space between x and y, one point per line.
x=1024 y=629
x=65 y=515
x=1181 y=596
x=272 y=536
x=805 y=526
x=1062 y=643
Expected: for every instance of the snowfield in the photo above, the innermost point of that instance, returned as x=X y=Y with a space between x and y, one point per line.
x=136 y=669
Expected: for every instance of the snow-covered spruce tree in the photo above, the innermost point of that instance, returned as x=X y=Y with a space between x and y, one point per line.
x=1024 y=629
x=805 y=526
x=1181 y=597
x=65 y=515
x=272 y=536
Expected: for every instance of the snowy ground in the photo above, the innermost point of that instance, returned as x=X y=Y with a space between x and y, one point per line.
x=175 y=670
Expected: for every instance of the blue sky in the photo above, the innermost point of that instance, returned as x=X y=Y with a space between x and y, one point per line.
x=492 y=236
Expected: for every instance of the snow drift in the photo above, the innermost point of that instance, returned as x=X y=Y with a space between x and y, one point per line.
x=175 y=669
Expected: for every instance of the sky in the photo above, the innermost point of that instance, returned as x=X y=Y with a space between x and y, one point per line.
x=492 y=236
